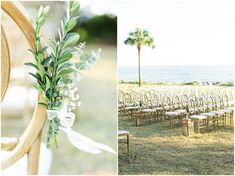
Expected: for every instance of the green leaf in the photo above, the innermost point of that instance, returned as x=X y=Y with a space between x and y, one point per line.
x=40 y=11
x=41 y=70
x=66 y=80
x=36 y=76
x=46 y=10
x=48 y=83
x=42 y=50
x=38 y=87
x=62 y=26
x=87 y=60
x=74 y=7
x=46 y=61
x=71 y=39
x=81 y=66
x=52 y=64
x=71 y=24
x=41 y=20
x=64 y=57
x=65 y=65
x=31 y=51
x=65 y=72
x=31 y=64
x=39 y=57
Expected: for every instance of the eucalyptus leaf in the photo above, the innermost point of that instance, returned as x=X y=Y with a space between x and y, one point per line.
x=48 y=83
x=74 y=7
x=40 y=11
x=46 y=11
x=66 y=80
x=41 y=20
x=65 y=72
x=53 y=65
x=46 y=61
x=65 y=65
x=37 y=76
x=41 y=71
x=33 y=52
x=38 y=87
x=31 y=64
x=71 y=24
x=62 y=26
x=64 y=57
x=71 y=39
x=42 y=50
x=59 y=33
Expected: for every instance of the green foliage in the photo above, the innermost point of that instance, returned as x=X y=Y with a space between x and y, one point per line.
x=105 y=29
x=53 y=131
x=87 y=60
x=54 y=68
x=229 y=84
x=140 y=37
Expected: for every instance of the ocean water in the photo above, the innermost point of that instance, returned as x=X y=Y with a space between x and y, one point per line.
x=179 y=74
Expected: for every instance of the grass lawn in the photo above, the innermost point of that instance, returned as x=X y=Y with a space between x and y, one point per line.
x=157 y=149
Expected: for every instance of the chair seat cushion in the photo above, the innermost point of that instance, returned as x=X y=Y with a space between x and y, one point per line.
x=167 y=107
x=226 y=110
x=131 y=107
x=148 y=110
x=201 y=108
x=232 y=109
x=209 y=114
x=158 y=108
x=172 y=113
x=192 y=110
x=122 y=132
x=198 y=117
x=182 y=111
x=217 y=112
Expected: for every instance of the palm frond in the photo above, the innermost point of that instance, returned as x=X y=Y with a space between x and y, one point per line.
x=139 y=37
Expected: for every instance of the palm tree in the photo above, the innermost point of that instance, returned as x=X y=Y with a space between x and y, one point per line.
x=139 y=37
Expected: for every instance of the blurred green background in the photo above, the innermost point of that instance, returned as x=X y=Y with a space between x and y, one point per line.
x=97 y=116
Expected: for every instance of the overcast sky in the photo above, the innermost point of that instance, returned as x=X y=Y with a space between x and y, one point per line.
x=185 y=31
x=100 y=7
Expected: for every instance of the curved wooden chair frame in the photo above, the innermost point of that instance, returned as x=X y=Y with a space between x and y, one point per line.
x=29 y=142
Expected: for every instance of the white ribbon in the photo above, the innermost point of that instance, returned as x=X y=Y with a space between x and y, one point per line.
x=76 y=139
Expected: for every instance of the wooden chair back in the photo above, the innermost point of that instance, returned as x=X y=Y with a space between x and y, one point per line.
x=5 y=64
x=29 y=142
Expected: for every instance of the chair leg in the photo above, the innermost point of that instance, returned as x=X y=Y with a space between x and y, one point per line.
x=33 y=157
x=197 y=122
x=128 y=145
x=207 y=123
x=171 y=121
x=231 y=121
x=225 y=120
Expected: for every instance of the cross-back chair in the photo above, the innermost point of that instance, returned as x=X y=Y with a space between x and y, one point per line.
x=30 y=140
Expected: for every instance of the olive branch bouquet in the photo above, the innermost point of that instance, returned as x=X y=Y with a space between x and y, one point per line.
x=56 y=72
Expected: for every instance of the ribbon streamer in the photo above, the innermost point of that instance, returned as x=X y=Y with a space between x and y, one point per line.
x=76 y=139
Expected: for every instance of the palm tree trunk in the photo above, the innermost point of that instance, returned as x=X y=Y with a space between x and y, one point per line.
x=139 y=66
